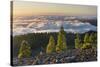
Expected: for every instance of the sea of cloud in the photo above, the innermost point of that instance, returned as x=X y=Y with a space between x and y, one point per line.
x=32 y=25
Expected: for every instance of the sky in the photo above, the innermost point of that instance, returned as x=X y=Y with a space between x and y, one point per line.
x=27 y=8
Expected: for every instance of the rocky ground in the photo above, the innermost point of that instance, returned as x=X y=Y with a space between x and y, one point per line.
x=75 y=55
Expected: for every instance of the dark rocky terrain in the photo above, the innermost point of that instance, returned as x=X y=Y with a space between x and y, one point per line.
x=75 y=55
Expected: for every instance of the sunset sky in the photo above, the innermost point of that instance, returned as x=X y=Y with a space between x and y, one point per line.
x=27 y=8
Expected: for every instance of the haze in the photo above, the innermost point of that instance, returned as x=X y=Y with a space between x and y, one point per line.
x=27 y=8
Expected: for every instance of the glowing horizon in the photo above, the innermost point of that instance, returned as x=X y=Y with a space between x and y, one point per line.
x=27 y=8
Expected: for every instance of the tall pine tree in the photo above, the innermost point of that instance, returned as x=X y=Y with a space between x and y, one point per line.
x=91 y=38
x=86 y=38
x=95 y=38
x=87 y=41
x=51 y=45
x=61 y=42
x=25 y=50
x=77 y=42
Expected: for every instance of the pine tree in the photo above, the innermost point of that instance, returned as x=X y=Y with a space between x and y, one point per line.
x=77 y=42
x=61 y=42
x=62 y=31
x=25 y=50
x=86 y=38
x=64 y=47
x=87 y=41
x=95 y=37
x=51 y=45
x=92 y=38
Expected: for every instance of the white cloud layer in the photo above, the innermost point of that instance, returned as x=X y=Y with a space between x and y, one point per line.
x=33 y=26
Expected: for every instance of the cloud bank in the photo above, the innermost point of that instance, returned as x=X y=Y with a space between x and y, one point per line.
x=22 y=26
